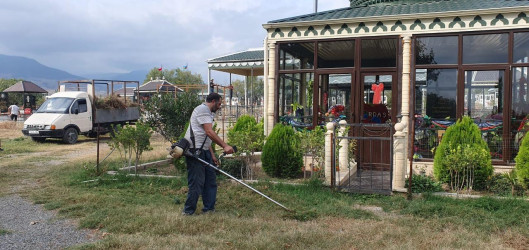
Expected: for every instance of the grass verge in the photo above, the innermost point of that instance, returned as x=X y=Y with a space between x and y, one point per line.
x=146 y=213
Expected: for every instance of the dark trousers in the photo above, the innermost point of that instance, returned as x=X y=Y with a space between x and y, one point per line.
x=201 y=180
x=14 y=117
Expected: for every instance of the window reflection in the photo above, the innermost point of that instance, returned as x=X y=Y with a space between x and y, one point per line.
x=436 y=50
x=484 y=104
x=490 y=48
x=435 y=107
x=436 y=91
x=521 y=47
x=296 y=97
x=520 y=108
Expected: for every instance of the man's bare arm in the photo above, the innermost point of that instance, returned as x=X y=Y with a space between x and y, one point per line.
x=208 y=127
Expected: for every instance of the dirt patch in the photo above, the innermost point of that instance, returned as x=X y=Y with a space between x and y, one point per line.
x=10 y=129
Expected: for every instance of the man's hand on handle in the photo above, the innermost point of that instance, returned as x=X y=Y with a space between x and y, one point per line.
x=228 y=149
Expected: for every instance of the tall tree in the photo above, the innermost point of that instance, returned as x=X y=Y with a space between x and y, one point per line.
x=175 y=76
x=13 y=98
x=6 y=83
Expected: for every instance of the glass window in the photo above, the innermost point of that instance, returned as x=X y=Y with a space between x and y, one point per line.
x=82 y=105
x=521 y=47
x=379 y=53
x=436 y=91
x=484 y=104
x=520 y=108
x=483 y=92
x=337 y=54
x=436 y=50
x=435 y=108
x=492 y=48
x=296 y=97
x=334 y=96
x=296 y=56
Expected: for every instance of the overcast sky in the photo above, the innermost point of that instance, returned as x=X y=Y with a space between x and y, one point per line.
x=118 y=36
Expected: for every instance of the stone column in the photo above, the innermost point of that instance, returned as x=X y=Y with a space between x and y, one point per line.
x=343 y=160
x=265 y=96
x=328 y=152
x=400 y=145
x=271 y=86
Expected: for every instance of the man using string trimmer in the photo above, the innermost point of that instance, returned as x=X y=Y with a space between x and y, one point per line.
x=200 y=134
x=201 y=162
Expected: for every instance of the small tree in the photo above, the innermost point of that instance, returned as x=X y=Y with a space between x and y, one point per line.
x=462 y=159
x=313 y=143
x=522 y=163
x=169 y=115
x=248 y=136
x=132 y=140
x=281 y=154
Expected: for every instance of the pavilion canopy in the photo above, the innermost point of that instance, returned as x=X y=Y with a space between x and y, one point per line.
x=245 y=63
x=25 y=87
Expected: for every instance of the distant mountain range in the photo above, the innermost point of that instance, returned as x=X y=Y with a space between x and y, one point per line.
x=30 y=70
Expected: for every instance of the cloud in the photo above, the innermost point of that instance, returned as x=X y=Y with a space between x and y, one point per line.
x=88 y=36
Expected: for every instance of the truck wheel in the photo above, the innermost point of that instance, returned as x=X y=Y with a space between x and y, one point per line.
x=38 y=139
x=70 y=136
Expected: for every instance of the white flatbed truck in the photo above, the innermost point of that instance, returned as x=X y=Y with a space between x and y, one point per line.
x=67 y=114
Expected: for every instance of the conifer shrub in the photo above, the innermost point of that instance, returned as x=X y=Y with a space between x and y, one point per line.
x=522 y=163
x=281 y=155
x=462 y=159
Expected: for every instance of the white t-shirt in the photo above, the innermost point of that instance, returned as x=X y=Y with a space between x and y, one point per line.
x=14 y=109
x=201 y=115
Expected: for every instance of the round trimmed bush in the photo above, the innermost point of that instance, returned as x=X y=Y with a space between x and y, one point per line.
x=463 y=155
x=281 y=155
x=244 y=123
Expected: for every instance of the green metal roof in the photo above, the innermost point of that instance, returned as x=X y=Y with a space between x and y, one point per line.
x=249 y=55
x=358 y=3
x=406 y=7
x=245 y=63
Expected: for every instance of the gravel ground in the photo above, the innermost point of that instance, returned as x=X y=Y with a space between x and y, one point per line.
x=32 y=227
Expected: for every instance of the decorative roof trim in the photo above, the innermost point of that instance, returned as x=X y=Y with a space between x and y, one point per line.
x=504 y=11
x=258 y=64
x=473 y=22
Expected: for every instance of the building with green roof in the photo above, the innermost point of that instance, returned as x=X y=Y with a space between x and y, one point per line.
x=387 y=61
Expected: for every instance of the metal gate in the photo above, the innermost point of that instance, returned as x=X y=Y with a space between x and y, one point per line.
x=370 y=169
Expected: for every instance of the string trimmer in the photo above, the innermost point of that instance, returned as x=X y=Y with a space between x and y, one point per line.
x=182 y=148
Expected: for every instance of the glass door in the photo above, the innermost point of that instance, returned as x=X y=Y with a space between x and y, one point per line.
x=378 y=98
x=334 y=92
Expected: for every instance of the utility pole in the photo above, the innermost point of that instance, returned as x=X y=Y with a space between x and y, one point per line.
x=315 y=6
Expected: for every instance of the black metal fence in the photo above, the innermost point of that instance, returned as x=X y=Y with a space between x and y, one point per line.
x=230 y=113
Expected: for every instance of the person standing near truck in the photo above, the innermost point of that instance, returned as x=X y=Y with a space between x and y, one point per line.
x=13 y=111
x=202 y=180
